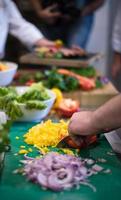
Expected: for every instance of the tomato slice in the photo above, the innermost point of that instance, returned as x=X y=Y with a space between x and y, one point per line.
x=67 y=107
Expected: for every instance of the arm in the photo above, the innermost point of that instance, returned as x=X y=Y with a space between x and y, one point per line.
x=37 y=5
x=20 y=28
x=107 y=116
x=45 y=14
x=116 y=43
x=93 y=6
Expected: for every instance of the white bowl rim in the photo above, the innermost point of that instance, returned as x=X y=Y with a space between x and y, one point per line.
x=14 y=67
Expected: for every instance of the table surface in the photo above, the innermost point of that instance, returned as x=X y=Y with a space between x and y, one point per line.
x=15 y=186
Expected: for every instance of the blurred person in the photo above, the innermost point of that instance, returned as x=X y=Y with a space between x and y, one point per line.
x=116 y=39
x=12 y=22
x=69 y=20
x=105 y=118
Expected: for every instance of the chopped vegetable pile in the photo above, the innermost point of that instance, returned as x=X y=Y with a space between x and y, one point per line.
x=57 y=172
x=46 y=134
x=33 y=98
x=71 y=81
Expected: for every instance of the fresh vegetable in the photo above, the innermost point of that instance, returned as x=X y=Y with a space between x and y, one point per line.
x=86 y=72
x=85 y=83
x=46 y=134
x=59 y=97
x=35 y=104
x=59 y=43
x=64 y=83
x=30 y=82
x=71 y=83
x=57 y=172
x=33 y=99
x=58 y=55
x=67 y=107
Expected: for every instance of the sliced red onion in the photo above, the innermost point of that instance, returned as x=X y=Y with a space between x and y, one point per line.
x=97 y=168
x=102 y=160
x=57 y=172
x=28 y=157
x=89 y=185
x=107 y=171
x=42 y=180
x=90 y=161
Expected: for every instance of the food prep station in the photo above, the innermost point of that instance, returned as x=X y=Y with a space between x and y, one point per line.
x=107 y=181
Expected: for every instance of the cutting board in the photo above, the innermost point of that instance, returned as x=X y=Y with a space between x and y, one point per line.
x=15 y=186
x=32 y=58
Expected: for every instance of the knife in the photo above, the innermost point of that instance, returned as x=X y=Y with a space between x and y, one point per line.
x=114 y=139
x=79 y=142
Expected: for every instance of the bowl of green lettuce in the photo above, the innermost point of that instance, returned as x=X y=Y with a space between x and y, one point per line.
x=27 y=103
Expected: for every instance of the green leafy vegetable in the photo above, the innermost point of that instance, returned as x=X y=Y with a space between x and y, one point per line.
x=87 y=72
x=53 y=79
x=10 y=101
x=71 y=83
x=35 y=105
x=98 y=83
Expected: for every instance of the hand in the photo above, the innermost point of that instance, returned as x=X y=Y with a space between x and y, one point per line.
x=82 y=123
x=48 y=15
x=45 y=43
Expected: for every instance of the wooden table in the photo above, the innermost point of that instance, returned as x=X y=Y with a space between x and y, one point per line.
x=32 y=58
x=94 y=98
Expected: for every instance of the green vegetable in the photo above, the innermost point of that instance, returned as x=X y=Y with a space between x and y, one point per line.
x=53 y=79
x=35 y=105
x=64 y=83
x=58 y=55
x=32 y=98
x=38 y=76
x=71 y=83
x=3 y=91
x=98 y=83
x=87 y=72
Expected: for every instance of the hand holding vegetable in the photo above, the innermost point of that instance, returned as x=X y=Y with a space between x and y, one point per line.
x=105 y=118
x=82 y=123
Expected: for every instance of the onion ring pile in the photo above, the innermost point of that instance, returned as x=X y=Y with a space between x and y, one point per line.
x=57 y=172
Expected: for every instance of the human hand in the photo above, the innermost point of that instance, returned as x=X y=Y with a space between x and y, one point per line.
x=48 y=14
x=82 y=124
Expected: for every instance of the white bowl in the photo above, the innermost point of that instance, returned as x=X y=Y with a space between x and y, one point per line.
x=36 y=115
x=7 y=76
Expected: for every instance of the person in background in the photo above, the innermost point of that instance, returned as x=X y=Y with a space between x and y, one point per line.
x=12 y=22
x=116 y=67
x=107 y=117
x=69 y=20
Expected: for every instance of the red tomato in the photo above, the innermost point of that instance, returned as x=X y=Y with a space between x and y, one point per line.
x=67 y=107
x=30 y=82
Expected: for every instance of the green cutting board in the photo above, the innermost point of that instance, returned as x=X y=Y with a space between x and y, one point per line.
x=16 y=187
